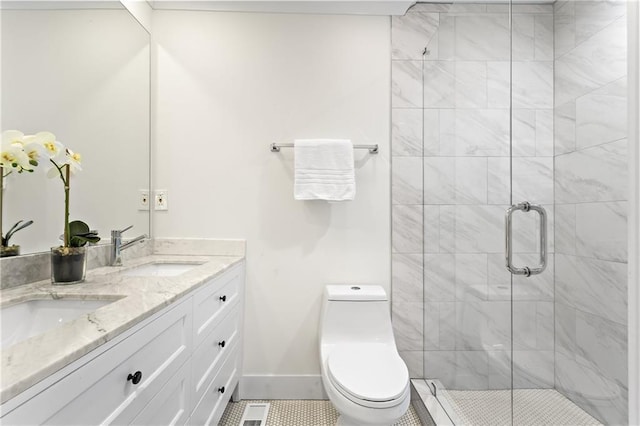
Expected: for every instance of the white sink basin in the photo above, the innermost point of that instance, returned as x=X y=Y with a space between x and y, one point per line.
x=160 y=269
x=33 y=317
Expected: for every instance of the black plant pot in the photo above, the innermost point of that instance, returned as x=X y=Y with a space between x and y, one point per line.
x=68 y=265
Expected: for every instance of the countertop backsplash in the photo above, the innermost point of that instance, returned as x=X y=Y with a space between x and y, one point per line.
x=19 y=270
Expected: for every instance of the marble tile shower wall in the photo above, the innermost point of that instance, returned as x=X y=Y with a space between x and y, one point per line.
x=450 y=189
x=590 y=198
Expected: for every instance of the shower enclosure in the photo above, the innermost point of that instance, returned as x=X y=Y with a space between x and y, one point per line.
x=509 y=206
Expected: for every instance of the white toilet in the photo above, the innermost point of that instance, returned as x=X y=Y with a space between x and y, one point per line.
x=365 y=378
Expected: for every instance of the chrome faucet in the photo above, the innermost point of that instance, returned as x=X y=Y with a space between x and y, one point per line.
x=117 y=246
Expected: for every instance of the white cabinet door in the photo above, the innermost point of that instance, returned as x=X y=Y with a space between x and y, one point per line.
x=171 y=405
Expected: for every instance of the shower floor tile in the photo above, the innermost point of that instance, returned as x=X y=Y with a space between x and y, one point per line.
x=531 y=407
x=300 y=413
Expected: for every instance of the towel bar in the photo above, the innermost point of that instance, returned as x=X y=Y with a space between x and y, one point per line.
x=275 y=147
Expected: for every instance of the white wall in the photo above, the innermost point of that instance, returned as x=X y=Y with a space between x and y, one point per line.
x=228 y=85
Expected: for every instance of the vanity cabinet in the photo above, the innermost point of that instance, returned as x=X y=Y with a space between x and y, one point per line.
x=179 y=366
x=214 y=365
x=217 y=340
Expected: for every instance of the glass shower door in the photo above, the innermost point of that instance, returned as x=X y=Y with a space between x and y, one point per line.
x=488 y=157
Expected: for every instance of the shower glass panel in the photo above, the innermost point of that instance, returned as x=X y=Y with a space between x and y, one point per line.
x=467 y=190
x=535 y=401
x=590 y=207
x=512 y=107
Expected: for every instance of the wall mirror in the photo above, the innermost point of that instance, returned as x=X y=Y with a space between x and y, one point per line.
x=81 y=71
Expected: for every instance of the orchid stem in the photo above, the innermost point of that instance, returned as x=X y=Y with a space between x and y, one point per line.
x=67 y=231
x=2 y=176
x=65 y=180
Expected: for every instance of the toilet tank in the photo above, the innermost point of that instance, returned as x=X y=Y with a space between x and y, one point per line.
x=352 y=313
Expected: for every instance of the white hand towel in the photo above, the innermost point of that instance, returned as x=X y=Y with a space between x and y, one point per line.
x=324 y=170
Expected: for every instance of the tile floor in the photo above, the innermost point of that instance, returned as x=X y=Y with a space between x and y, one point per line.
x=300 y=413
x=531 y=407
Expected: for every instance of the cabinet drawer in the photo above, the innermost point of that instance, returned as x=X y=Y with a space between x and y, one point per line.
x=207 y=359
x=213 y=301
x=99 y=391
x=215 y=398
x=171 y=405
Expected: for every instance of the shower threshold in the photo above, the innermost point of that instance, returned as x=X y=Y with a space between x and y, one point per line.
x=493 y=407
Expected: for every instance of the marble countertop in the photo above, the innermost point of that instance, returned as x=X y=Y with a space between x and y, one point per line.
x=134 y=299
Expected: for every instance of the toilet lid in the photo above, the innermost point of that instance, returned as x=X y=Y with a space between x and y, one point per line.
x=370 y=372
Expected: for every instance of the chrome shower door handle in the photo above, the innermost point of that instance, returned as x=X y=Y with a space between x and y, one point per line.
x=542 y=262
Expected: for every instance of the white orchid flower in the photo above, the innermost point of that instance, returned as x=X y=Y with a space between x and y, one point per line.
x=13 y=157
x=34 y=149
x=52 y=148
x=10 y=137
x=73 y=160
x=47 y=146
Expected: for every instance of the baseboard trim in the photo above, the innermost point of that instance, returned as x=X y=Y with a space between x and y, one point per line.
x=282 y=387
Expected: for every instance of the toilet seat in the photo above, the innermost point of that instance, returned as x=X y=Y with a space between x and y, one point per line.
x=372 y=375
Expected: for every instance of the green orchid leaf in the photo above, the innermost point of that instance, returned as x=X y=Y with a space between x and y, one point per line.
x=15 y=228
x=81 y=240
x=80 y=234
x=77 y=227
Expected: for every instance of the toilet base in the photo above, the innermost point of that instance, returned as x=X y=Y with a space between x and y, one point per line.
x=358 y=415
x=344 y=421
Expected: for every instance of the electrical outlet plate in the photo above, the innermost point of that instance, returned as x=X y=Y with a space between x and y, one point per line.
x=143 y=199
x=161 y=199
